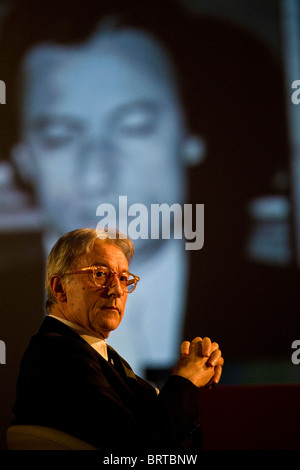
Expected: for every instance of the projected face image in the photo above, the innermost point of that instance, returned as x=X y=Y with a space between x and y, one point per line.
x=101 y=120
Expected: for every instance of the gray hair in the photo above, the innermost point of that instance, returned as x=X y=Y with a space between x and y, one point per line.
x=76 y=243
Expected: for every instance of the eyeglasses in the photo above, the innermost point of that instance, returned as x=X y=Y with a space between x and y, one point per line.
x=103 y=275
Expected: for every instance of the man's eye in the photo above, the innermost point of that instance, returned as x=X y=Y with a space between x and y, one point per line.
x=54 y=136
x=123 y=279
x=137 y=124
x=101 y=274
x=55 y=140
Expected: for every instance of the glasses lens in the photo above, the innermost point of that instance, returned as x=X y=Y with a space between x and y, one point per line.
x=130 y=284
x=101 y=276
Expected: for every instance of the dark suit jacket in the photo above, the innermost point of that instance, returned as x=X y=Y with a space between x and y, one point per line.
x=64 y=383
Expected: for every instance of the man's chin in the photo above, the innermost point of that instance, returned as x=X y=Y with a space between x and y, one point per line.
x=109 y=326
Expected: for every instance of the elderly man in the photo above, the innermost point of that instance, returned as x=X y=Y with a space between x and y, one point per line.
x=70 y=379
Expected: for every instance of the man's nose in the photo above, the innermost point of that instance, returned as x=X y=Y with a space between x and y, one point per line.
x=114 y=286
x=97 y=156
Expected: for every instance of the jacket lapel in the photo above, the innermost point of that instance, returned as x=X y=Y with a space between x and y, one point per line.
x=120 y=364
x=120 y=371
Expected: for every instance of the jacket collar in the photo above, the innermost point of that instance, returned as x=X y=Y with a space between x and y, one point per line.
x=54 y=326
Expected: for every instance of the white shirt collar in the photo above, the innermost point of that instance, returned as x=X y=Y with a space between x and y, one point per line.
x=98 y=344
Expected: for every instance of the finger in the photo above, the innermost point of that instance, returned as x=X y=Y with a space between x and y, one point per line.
x=197 y=339
x=215 y=359
x=220 y=362
x=195 y=346
x=185 y=348
x=214 y=346
x=217 y=374
x=206 y=347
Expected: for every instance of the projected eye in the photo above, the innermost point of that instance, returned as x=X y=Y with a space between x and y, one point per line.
x=55 y=137
x=136 y=119
x=56 y=133
x=137 y=124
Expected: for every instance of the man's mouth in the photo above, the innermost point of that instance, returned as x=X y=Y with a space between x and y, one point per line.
x=112 y=308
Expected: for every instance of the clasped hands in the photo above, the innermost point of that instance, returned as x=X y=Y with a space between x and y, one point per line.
x=200 y=362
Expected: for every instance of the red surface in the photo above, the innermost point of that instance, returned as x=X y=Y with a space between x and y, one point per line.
x=251 y=417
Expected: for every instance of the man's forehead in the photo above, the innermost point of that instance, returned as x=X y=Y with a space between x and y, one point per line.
x=92 y=80
x=104 y=252
x=135 y=47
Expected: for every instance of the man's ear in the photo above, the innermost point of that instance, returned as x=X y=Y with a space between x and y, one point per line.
x=57 y=289
x=23 y=160
x=193 y=150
